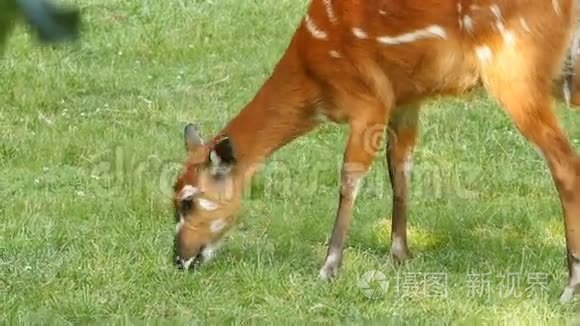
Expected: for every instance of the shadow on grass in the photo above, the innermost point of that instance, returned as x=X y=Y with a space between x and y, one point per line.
x=458 y=250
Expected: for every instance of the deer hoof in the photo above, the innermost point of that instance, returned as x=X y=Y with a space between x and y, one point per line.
x=568 y=294
x=328 y=272
x=399 y=258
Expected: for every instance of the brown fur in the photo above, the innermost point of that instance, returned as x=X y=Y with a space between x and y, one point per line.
x=365 y=84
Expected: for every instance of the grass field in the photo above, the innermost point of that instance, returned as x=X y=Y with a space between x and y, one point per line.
x=91 y=139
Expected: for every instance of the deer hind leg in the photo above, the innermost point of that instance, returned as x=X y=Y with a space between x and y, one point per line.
x=570 y=75
x=573 y=77
x=366 y=133
x=520 y=79
x=401 y=138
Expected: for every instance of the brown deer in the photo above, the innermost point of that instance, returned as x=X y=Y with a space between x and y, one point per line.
x=369 y=64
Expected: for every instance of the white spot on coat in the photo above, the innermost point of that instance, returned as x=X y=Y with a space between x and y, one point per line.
x=207 y=205
x=359 y=33
x=330 y=11
x=217 y=225
x=496 y=11
x=468 y=23
x=507 y=35
x=484 y=53
x=335 y=54
x=313 y=29
x=429 y=32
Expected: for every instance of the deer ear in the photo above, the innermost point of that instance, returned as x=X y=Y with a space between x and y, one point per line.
x=191 y=137
x=222 y=157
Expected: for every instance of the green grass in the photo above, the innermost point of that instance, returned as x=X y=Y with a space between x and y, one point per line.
x=91 y=139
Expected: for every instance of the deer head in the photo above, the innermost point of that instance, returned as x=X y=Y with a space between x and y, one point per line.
x=205 y=198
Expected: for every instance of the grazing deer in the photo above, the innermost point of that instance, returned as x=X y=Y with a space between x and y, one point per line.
x=369 y=64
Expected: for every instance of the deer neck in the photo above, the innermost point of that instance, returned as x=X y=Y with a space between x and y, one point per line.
x=281 y=111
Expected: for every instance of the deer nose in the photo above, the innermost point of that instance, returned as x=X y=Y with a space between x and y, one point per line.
x=179 y=262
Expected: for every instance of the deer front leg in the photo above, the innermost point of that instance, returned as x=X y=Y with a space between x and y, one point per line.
x=358 y=156
x=401 y=137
